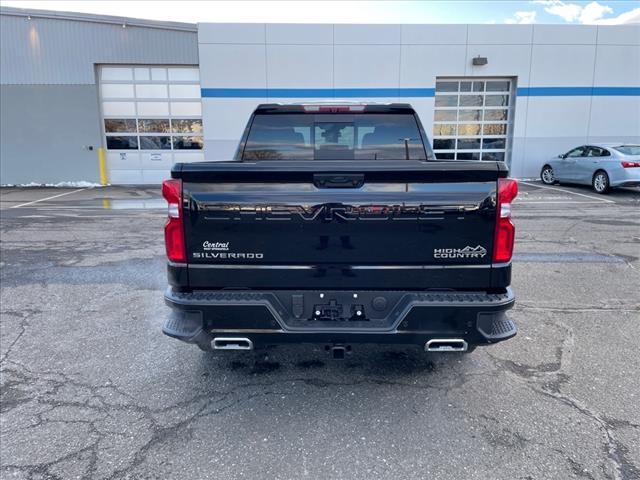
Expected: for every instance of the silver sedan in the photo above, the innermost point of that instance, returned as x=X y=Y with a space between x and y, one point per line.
x=602 y=165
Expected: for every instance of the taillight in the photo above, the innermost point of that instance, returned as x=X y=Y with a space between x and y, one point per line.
x=630 y=164
x=173 y=229
x=505 y=229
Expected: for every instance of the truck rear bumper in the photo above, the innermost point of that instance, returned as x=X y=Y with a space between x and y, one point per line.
x=338 y=317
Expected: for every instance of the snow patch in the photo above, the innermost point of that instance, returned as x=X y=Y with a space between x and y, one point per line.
x=78 y=184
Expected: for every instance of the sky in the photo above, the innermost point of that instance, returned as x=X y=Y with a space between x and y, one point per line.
x=456 y=11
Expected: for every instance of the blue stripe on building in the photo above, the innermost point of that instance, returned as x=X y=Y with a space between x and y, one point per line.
x=405 y=92
x=578 y=91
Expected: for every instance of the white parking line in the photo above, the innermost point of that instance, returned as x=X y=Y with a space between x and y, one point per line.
x=605 y=200
x=100 y=207
x=48 y=198
x=526 y=202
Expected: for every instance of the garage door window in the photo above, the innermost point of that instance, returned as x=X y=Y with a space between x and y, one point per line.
x=118 y=142
x=472 y=119
x=187 y=143
x=155 y=143
x=150 y=125
x=186 y=126
x=120 y=125
x=151 y=108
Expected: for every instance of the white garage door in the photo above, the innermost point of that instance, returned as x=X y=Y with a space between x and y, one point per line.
x=152 y=118
x=472 y=118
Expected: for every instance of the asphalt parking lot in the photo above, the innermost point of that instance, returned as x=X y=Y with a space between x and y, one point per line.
x=92 y=389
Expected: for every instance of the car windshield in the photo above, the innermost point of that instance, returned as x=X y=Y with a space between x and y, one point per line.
x=628 y=149
x=321 y=136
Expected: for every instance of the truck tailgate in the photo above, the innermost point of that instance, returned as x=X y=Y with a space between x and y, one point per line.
x=389 y=225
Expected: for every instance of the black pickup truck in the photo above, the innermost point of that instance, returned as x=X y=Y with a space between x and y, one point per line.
x=336 y=225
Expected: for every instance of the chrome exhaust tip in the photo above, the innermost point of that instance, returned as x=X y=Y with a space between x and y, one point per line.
x=446 y=345
x=232 y=343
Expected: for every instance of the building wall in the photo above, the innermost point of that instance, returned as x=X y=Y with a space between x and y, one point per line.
x=45 y=132
x=575 y=84
x=49 y=98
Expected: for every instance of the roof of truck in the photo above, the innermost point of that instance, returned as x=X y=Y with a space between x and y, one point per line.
x=335 y=107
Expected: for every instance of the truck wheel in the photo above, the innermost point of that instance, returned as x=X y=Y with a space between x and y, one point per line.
x=600 y=182
x=547 y=176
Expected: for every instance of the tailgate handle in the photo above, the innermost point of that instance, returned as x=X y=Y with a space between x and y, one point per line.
x=338 y=180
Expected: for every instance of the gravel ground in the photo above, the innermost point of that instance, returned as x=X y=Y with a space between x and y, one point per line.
x=90 y=388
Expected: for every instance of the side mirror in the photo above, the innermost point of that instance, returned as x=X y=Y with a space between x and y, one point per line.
x=562 y=155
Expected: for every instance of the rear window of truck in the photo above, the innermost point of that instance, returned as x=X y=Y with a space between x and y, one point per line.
x=334 y=137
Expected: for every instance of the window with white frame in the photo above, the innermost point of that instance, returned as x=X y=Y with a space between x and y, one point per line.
x=151 y=107
x=472 y=118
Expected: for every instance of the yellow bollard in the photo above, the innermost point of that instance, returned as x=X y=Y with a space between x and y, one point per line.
x=102 y=163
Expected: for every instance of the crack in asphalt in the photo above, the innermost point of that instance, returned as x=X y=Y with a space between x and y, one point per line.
x=24 y=316
x=209 y=405
x=615 y=451
x=113 y=433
